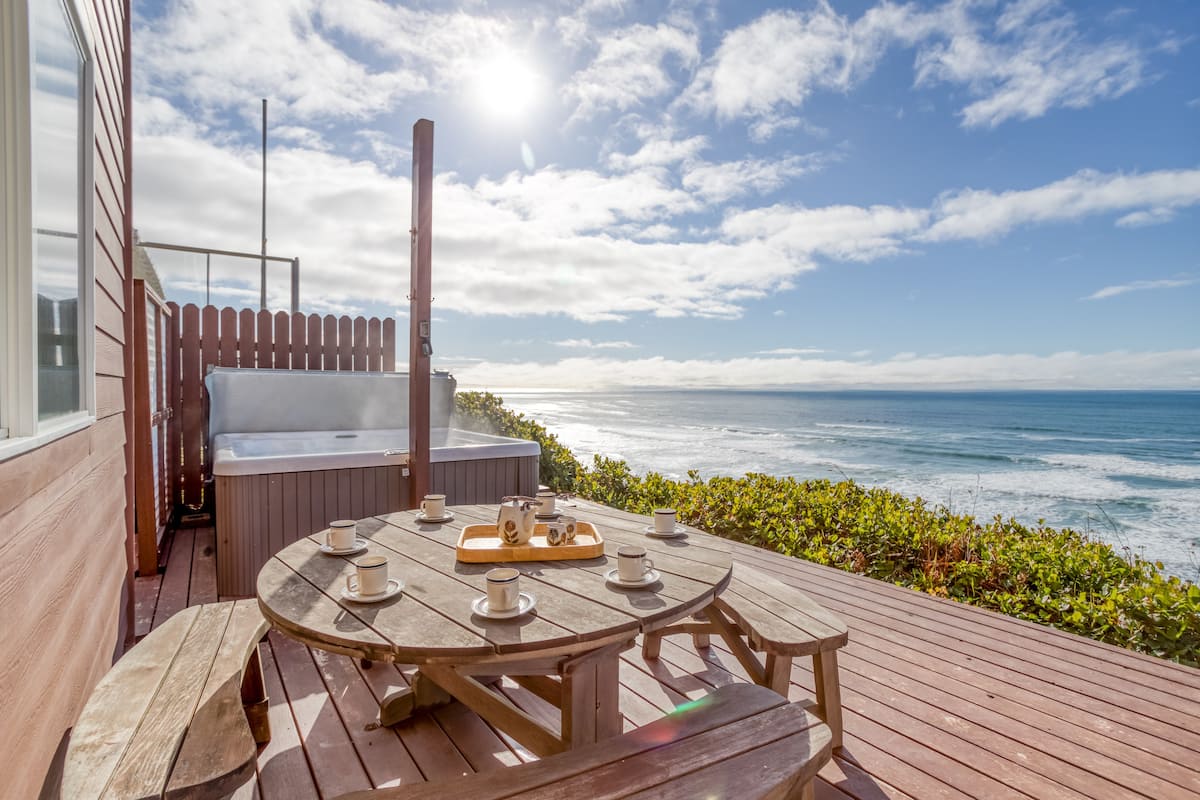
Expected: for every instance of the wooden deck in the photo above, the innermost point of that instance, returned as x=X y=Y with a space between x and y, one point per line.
x=941 y=700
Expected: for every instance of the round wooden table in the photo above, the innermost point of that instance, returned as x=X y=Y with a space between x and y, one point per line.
x=566 y=651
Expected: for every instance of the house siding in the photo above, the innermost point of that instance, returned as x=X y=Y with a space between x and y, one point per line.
x=64 y=526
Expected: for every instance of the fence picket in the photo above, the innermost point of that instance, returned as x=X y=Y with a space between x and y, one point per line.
x=262 y=348
x=329 y=343
x=314 y=341
x=345 y=344
x=283 y=343
x=360 y=344
x=227 y=349
x=246 y=338
x=389 y=344
x=374 y=345
x=299 y=342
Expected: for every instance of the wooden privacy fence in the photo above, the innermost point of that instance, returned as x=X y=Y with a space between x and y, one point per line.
x=228 y=337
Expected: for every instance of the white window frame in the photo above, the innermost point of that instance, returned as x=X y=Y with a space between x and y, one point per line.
x=20 y=430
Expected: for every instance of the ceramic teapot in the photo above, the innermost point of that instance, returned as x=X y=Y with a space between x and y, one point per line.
x=516 y=520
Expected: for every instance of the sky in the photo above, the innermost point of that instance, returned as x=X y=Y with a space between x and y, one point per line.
x=962 y=194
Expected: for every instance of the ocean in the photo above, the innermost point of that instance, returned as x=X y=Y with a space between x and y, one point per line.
x=1121 y=466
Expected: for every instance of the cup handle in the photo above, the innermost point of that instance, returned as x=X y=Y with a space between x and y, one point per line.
x=329 y=538
x=423 y=506
x=352 y=587
x=647 y=565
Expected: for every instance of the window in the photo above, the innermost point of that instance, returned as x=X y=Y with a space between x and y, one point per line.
x=47 y=383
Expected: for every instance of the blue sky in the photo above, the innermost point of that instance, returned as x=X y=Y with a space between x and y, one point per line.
x=958 y=194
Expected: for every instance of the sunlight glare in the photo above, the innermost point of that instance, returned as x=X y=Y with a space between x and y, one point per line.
x=505 y=86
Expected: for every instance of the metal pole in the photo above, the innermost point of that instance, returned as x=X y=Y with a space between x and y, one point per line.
x=295 y=285
x=207 y=278
x=262 y=292
x=419 y=346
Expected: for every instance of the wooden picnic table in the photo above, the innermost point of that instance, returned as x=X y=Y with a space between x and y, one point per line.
x=567 y=651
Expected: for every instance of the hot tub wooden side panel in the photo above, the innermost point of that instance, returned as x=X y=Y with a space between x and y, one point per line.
x=258 y=515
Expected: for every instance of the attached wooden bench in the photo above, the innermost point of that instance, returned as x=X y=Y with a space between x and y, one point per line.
x=741 y=741
x=757 y=613
x=179 y=715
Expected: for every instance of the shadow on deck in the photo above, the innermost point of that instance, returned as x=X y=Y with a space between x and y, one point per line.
x=941 y=700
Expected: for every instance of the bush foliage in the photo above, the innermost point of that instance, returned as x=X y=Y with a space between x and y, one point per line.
x=1054 y=576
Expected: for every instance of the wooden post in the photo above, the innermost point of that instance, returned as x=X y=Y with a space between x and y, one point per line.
x=419 y=347
x=146 y=524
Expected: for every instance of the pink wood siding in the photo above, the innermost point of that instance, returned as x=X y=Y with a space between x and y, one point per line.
x=63 y=524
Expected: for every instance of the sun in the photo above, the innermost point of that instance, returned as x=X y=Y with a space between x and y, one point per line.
x=506 y=87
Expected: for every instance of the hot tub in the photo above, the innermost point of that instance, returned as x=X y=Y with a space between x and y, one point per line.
x=273 y=487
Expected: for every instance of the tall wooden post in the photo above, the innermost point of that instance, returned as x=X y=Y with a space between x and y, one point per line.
x=419 y=346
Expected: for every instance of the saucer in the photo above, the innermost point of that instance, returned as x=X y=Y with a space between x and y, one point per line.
x=526 y=602
x=434 y=520
x=358 y=546
x=679 y=531
x=554 y=515
x=394 y=587
x=613 y=576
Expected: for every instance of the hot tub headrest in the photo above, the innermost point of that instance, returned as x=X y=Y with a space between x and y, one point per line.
x=264 y=400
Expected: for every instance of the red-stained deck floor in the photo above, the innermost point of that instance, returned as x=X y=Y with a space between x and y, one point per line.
x=941 y=700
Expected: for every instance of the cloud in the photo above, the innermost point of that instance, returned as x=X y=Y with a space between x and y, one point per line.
x=1137 y=286
x=791 y=351
x=1020 y=64
x=1141 y=219
x=588 y=344
x=630 y=67
x=717 y=183
x=979 y=214
x=1174 y=369
x=657 y=152
x=846 y=233
x=224 y=54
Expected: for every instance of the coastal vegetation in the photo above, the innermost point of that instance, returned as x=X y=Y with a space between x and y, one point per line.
x=1054 y=576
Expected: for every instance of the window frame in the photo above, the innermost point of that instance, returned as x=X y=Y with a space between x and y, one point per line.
x=20 y=429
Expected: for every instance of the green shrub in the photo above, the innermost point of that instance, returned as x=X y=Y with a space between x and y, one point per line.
x=1054 y=576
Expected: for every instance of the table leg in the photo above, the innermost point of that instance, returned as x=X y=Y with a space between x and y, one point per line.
x=829 y=693
x=423 y=695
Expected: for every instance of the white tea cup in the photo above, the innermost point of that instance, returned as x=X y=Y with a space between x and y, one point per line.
x=433 y=506
x=569 y=526
x=503 y=589
x=341 y=534
x=664 y=520
x=632 y=564
x=370 y=576
x=546 y=497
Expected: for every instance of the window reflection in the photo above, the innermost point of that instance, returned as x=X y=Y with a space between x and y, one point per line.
x=57 y=78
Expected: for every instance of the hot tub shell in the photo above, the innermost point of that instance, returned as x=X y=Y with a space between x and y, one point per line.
x=273 y=487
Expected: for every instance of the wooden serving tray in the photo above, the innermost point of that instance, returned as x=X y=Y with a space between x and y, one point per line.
x=482 y=543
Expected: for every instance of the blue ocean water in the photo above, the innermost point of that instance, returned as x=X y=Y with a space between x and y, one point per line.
x=1122 y=466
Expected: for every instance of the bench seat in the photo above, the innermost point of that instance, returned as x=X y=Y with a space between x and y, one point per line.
x=179 y=715
x=742 y=741
x=758 y=614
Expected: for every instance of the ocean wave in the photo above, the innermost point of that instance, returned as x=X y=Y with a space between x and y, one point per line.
x=1114 y=465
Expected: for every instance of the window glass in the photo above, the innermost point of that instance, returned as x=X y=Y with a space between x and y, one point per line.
x=57 y=78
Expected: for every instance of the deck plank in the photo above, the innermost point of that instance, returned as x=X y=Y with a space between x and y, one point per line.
x=941 y=700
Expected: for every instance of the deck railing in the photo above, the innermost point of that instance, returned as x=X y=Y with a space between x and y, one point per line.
x=229 y=337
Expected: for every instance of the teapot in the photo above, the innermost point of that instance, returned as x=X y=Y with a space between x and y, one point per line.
x=516 y=520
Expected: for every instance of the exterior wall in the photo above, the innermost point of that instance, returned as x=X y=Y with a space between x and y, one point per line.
x=63 y=520
x=258 y=515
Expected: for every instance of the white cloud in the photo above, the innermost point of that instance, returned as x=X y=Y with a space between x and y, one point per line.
x=630 y=67
x=226 y=54
x=1021 y=64
x=1141 y=219
x=300 y=135
x=791 y=351
x=1137 y=286
x=588 y=344
x=978 y=214
x=1177 y=369
x=657 y=152
x=849 y=233
x=717 y=183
